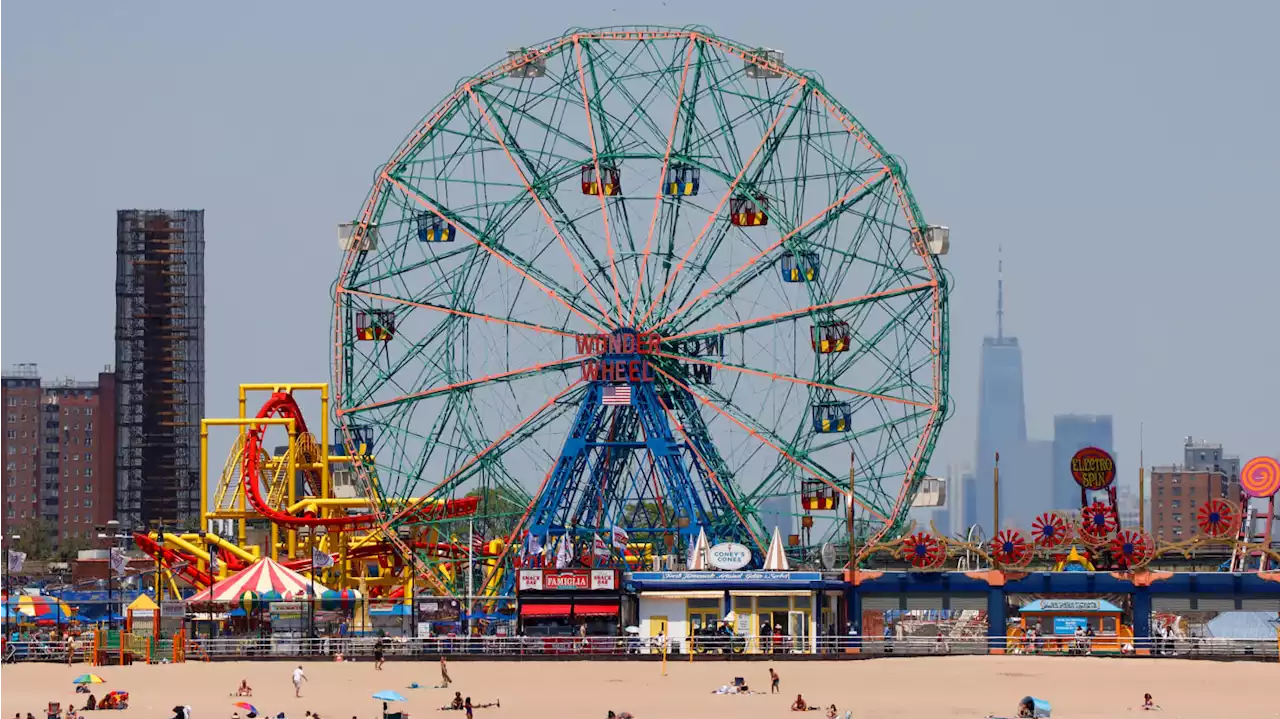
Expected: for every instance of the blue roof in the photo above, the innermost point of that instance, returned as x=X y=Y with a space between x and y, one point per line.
x=1078 y=606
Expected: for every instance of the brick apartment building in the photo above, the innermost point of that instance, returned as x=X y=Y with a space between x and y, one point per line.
x=1177 y=491
x=59 y=448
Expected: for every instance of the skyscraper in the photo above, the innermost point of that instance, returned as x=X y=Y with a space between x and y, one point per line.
x=159 y=364
x=1002 y=422
x=1072 y=433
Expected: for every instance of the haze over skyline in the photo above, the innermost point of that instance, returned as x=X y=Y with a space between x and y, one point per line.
x=1109 y=149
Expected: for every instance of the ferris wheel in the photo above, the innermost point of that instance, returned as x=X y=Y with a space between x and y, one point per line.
x=643 y=278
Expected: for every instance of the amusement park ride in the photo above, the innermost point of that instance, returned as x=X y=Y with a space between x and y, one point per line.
x=628 y=282
x=1094 y=539
x=637 y=283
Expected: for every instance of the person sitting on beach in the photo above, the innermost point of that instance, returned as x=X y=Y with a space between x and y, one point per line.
x=244 y=690
x=456 y=705
x=799 y=704
x=1149 y=704
x=831 y=712
x=1026 y=708
x=90 y=705
x=623 y=715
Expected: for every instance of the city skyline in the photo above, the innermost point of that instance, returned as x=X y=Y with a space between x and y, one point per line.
x=1082 y=278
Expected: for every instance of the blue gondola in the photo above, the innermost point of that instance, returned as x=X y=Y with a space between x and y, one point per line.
x=682 y=180
x=433 y=229
x=832 y=417
x=803 y=269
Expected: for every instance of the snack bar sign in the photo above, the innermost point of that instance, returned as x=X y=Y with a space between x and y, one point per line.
x=537 y=580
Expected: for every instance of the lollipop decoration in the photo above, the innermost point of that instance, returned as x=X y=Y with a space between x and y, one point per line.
x=1260 y=477
x=1132 y=549
x=1097 y=522
x=1217 y=518
x=1010 y=548
x=1050 y=530
x=924 y=551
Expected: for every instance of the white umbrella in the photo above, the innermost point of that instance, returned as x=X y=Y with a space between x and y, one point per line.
x=632 y=630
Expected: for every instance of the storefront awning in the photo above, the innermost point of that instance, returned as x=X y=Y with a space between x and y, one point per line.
x=595 y=610
x=545 y=610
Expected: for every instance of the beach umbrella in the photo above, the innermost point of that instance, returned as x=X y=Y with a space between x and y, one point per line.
x=246 y=706
x=389 y=696
x=43 y=609
x=88 y=679
x=633 y=630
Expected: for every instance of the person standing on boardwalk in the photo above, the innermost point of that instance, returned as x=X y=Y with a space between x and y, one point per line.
x=444 y=672
x=299 y=677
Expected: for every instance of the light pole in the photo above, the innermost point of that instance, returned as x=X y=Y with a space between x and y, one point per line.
x=213 y=579
x=8 y=586
x=111 y=533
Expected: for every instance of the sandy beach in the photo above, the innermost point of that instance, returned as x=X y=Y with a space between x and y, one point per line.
x=909 y=688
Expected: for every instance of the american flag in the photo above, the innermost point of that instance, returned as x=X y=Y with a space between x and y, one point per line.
x=617 y=394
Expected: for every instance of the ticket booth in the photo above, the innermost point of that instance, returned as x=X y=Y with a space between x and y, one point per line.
x=1056 y=622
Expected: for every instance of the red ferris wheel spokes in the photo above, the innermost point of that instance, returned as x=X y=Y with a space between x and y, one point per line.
x=1218 y=519
x=1051 y=530
x=1098 y=522
x=1010 y=548
x=924 y=551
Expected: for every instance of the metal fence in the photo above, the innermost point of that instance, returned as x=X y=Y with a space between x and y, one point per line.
x=642 y=648
x=832 y=647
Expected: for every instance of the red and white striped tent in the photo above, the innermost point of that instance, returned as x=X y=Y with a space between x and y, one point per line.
x=262 y=576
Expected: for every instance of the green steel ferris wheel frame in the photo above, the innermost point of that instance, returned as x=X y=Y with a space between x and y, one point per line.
x=487 y=246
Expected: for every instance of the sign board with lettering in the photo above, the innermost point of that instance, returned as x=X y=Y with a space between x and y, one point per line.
x=173 y=609
x=538 y=580
x=1093 y=468
x=729 y=556
x=692 y=578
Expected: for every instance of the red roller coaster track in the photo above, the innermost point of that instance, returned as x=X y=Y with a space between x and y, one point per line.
x=282 y=404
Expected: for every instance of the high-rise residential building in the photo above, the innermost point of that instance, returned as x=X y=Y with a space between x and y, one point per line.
x=160 y=364
x=1002 y=422
x=78 y=448
x=1072 y=433
x=22 y=433
x=59 y=447
x=1178 y=490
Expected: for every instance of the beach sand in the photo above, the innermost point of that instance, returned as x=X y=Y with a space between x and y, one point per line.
x=907 y=688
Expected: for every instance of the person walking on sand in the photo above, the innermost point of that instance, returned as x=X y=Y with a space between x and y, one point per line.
x=299 y=677
x=774 y=679
x=444 y=672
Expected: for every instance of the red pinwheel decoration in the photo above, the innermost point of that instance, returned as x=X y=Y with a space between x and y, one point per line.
x=1098 y=521
x=1132 y=549
x=924 y=551
x=1050 y=530
x=1010 y=548
x=1217 y=518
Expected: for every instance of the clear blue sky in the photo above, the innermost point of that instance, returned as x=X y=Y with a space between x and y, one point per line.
x=1124 y=154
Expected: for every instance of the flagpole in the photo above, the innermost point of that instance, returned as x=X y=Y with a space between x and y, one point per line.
x=313 y=583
